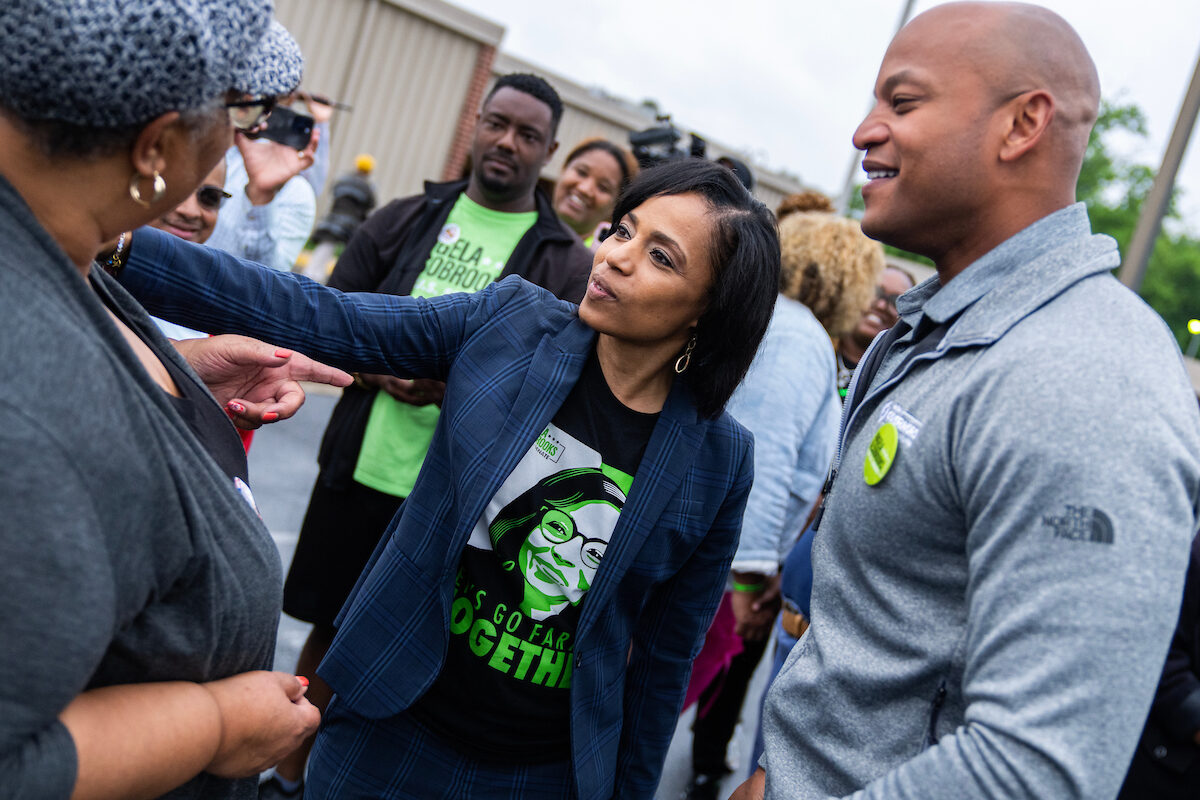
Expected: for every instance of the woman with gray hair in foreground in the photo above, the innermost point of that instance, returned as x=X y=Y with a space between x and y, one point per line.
x=142 y=590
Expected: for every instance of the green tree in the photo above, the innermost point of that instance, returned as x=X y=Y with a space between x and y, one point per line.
x=1113 y=188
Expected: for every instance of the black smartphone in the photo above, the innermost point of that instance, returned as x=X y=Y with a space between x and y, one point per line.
x=288 y=128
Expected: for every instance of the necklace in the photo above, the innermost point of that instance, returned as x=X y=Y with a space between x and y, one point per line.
x=116 y=260
x=844 y=374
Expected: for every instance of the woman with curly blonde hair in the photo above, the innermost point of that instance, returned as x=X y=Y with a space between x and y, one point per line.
x=829 y=264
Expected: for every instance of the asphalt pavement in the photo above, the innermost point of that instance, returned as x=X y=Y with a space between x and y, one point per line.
x=283 y=466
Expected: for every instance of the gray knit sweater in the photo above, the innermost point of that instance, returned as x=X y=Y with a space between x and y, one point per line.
x=126 y=555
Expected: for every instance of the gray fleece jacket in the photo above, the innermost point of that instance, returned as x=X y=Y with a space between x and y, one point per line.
x=990 y=619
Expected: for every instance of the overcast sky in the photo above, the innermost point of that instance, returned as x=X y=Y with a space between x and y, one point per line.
x=788 y=80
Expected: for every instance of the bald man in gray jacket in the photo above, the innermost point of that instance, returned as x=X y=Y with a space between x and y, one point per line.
x=998 y=567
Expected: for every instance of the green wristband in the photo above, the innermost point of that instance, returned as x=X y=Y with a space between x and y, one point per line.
x=748 y=587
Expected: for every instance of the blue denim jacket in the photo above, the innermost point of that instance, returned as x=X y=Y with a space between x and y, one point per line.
x=789 y=401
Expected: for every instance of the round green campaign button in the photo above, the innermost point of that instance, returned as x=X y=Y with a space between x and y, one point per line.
x=880 y=454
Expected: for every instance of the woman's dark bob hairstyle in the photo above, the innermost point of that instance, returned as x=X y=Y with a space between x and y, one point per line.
x=745 y=257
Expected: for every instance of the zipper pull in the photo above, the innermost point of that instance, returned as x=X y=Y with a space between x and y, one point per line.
x=816 y=523
x=829 y=481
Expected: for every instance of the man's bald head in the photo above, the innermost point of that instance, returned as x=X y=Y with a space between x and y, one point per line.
x=1017 y=48
x=981 y=120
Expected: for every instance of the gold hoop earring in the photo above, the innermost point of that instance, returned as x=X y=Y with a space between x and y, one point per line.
x=160 y=188
x=684 y=360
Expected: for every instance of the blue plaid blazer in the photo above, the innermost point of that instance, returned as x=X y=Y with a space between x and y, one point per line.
x=509 y=355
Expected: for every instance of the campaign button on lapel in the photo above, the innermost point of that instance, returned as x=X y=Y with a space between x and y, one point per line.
x=881 y=453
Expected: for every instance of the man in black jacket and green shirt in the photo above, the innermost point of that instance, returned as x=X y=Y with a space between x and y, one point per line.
x=455 y=237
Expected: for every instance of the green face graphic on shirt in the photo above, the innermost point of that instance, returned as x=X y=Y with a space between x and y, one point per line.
x=556 y=534
x=557 y=558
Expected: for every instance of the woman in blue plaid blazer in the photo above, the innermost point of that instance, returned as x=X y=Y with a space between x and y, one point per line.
x=679 y=298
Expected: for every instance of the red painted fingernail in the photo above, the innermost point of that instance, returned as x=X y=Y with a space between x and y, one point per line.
x=281 y=353
x=303 y=680
x=235 y=408
x=270 y=416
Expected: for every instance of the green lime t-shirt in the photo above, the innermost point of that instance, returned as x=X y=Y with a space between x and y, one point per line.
x=469 y=254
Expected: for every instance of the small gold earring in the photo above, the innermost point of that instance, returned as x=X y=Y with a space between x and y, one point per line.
x=684 y=360
x=160 y=188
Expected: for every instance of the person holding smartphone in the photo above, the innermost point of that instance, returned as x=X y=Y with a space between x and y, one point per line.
x=321 y=109
x=271 y=209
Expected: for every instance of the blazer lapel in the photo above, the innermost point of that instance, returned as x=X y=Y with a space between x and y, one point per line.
x=553 y=371
x=669 y=454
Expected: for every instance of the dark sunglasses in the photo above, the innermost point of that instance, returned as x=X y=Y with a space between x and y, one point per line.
x=211 y=197
x=880 y=294
x=247 y=115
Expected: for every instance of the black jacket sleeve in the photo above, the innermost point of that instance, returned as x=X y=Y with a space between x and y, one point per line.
x=1177 y=701
x=371 y=251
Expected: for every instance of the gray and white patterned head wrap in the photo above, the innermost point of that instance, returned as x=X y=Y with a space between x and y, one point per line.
x=274 y=67
x=112 y=63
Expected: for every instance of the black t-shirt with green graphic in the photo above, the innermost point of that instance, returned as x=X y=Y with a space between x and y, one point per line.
x=503 y=693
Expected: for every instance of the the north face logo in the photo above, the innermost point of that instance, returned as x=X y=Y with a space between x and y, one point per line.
x=1081 y=524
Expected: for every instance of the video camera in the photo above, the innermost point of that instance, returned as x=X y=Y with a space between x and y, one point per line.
x=660 y=143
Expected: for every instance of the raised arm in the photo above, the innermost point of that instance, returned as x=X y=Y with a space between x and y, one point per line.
x=273 y=217
x=216 y=292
